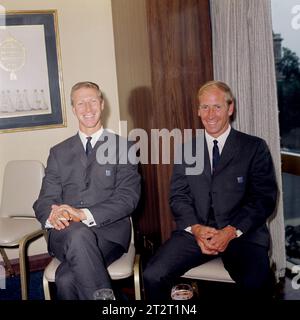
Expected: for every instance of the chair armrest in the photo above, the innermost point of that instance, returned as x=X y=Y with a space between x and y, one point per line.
x=31 y=236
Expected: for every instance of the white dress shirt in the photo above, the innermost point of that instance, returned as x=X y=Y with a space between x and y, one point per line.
x=95 y=137
x=221 y=142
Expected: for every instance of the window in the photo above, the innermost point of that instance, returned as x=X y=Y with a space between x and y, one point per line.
x=286 y=35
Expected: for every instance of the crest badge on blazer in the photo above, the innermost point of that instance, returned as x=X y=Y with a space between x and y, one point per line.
x=240 y=179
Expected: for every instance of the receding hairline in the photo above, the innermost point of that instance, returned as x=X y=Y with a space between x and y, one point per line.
x=218 y=85
x=86 y=84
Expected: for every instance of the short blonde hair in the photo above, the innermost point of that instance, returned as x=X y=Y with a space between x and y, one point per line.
x=220 y=85
x=86 y=84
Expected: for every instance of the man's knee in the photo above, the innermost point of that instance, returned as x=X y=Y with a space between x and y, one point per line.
x=80 y=237
x=149 y=276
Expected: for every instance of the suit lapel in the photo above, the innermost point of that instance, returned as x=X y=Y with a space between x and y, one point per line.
x=92 y=156
x=207 y=166
x=78 y=150
x=229 y=150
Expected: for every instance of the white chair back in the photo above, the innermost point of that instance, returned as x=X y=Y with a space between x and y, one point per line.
x=21 y=187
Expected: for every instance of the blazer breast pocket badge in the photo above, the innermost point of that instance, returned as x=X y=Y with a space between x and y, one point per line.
x=108 y=173
x=240 y=180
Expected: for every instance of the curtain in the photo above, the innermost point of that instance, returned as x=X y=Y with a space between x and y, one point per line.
x=243 y=57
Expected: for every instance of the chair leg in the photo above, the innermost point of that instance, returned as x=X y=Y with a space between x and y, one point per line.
x=136 y=276
x=23 y=244
x=46 y=288
x=7 y=263
x=23 y=272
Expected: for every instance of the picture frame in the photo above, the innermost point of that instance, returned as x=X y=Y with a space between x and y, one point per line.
x=31 y=82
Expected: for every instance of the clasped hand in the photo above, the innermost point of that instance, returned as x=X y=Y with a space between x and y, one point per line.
x=211 y=240
x=61 y=216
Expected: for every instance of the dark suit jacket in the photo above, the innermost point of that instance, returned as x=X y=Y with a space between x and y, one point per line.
x=243 y=190
x=111 y=191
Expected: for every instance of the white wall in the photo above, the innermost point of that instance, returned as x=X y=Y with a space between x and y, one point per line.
x=87 y=50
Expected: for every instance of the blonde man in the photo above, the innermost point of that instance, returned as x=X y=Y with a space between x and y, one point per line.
x=85 y=205
x=221 y=212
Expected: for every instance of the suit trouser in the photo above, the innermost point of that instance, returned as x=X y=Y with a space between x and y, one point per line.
x=247 y=264
x=85 y=256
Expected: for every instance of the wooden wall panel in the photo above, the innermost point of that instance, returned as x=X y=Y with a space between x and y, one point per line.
x=181 y=60
x=135 y=98
x=173 y=62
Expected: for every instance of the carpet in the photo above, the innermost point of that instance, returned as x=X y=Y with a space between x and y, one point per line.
x=13 y=287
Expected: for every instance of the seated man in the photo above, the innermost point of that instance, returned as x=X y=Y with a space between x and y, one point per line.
x=223 y=211
x=85 y=205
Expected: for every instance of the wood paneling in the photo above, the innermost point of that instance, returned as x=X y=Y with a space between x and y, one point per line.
x=158 y=79
x=37 y=262
x=180 y=54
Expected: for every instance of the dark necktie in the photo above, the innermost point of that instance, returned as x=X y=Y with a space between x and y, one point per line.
x=211 y=220
x=216 y=155
x=88 y=146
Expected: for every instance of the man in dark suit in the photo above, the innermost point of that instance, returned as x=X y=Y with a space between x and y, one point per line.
x=85 y=205
x=223 y=211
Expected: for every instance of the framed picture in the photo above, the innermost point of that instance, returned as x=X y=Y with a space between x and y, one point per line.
x=31 y=87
